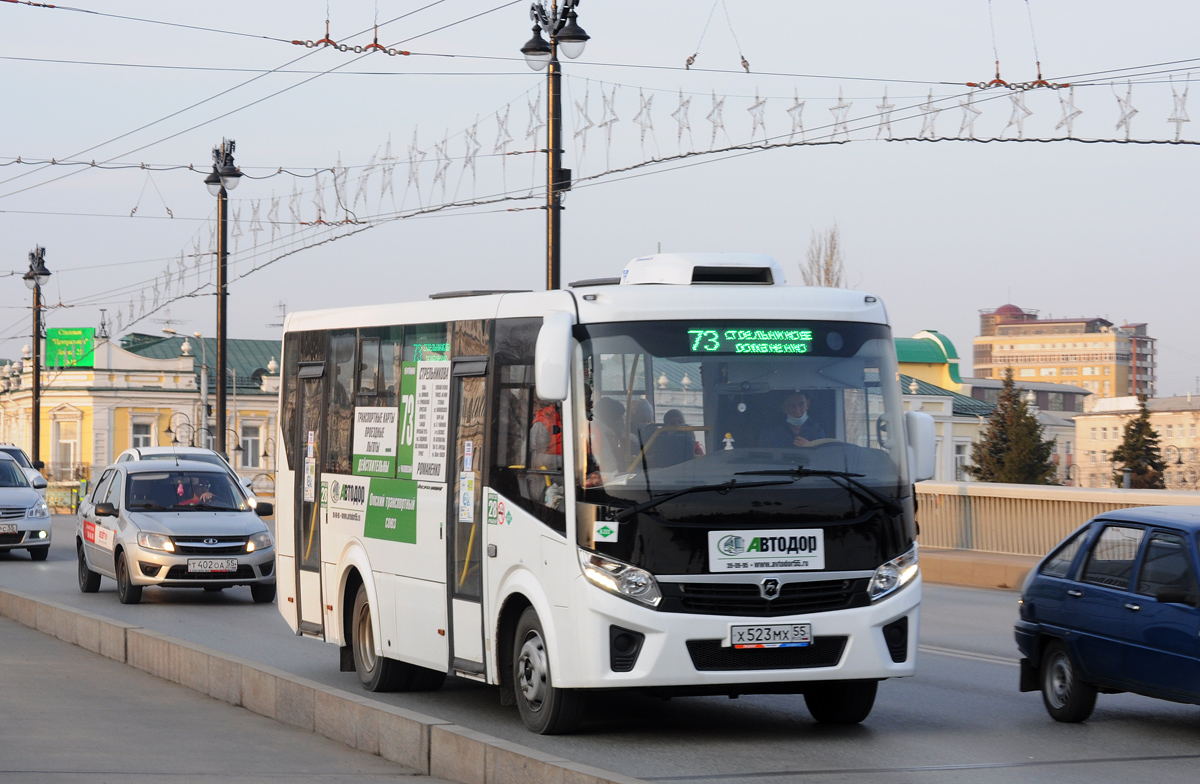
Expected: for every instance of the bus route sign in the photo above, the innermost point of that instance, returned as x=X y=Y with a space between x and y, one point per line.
x=750 y=341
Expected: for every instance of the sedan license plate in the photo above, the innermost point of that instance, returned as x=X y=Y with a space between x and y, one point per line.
x=789 y=635
x=210 y=565
x=8 y=528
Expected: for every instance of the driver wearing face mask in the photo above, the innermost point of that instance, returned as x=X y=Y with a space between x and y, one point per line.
x=798 y=429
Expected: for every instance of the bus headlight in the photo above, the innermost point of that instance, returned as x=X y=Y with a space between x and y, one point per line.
x=894 y=575
x=620 y=578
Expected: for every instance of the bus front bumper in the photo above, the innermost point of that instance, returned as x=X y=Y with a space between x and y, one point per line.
x=687 y=651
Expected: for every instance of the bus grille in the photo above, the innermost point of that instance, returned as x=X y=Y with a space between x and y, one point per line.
x=710 y=655
x=746 y=599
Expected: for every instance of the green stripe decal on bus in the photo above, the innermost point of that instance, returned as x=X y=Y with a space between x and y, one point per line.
x=392 y=510
x=408 y=414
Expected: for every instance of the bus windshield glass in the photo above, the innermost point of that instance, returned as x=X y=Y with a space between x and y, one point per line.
x=671 y=405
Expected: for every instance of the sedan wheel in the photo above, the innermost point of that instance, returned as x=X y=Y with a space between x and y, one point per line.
x=127 y=592
x=89 y=581
x=1067 y=698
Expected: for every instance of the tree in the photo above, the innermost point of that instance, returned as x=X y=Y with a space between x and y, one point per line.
x=825 y=264
x=1139 y=453
x=1012 y=448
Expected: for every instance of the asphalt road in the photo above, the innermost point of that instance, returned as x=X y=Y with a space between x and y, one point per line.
x=960 y=719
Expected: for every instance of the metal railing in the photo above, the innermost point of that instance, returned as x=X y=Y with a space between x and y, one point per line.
x=1020 y=519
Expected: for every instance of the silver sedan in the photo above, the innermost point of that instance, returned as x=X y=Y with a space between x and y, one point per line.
x=173 y=525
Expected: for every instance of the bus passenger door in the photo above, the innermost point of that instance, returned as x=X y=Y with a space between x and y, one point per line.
x=469 y=400
x=311 y=390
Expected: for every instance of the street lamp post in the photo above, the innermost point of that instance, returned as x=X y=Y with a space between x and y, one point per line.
x=224 y=178
x=558 y=20
x=35 y=278
x=173 y=429
x=203 y=419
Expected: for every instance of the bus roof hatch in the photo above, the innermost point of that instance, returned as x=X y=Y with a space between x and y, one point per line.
x=693 y=269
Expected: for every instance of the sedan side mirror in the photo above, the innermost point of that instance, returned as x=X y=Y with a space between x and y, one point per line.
x=1175 y=596
x=40 y=483
x=264 y=508
x=106 y=510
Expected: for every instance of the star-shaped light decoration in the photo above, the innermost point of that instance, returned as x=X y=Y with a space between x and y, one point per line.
x=416 y=156
x=970 y=113
x=503 y=137
x=256 y=226
x=608 y=119
x=364 y=179
x=796 y=112
x=643 y=119
x=583 y=122
x=471 y=137
x=387 y=167
x=1179 y=116
x=716 y=117
x=443 y=162
x=684 y=123
x=758 y=116
x=536 y=123
x=1127 y=110
x=1069 y=112
x=929 y=113
x=236 y=234
x=885 y=116
x=318 y=198
x=1019 y=113
x=841 y=113
x=273 y=216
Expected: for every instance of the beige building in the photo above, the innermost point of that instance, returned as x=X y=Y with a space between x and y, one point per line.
x=1176 y=420
x=145 y=392
x=1107 y=360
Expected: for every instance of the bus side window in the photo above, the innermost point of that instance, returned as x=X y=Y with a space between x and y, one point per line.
x=527 y=466
x=340 y=422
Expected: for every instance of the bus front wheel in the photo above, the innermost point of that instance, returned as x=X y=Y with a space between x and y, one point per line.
x=841 y=702
x=375 y=673
x=545 y=708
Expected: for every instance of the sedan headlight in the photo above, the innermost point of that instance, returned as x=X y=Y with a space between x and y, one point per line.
x=155 y=542
x=894 y=575
x=39 y=510
x=260 y=541
x=620 y=578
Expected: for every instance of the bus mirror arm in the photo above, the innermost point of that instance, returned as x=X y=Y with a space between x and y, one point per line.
x=921 y=440
x=552 y=356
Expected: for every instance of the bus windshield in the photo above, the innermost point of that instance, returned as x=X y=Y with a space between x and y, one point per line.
x=672 y=405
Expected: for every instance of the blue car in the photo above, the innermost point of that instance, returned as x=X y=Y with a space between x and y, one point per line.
x=1115 y=607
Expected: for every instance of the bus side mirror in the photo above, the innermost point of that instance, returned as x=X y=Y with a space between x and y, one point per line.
x=552 y=357
x=922 y=445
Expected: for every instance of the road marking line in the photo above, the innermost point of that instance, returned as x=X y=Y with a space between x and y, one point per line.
x=957 y=654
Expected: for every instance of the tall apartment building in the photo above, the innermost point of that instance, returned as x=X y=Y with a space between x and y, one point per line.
x=1093 y=353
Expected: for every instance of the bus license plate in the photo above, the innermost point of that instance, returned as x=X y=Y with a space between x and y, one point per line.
x=8 y=528
x=789 y=635
x=210 y=565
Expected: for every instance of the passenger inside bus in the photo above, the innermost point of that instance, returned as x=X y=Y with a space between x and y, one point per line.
x=545 y=446
x=797 y=427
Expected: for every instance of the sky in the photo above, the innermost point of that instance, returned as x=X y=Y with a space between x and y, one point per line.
x=937 y=229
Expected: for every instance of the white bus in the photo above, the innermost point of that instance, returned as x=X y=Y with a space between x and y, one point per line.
x=690 y=480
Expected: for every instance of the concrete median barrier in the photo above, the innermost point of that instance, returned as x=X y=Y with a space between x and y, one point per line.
x=421 y=743
x=973 y=569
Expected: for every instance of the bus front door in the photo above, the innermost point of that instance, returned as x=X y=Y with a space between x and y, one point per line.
x=311 y=388
x=466 y=525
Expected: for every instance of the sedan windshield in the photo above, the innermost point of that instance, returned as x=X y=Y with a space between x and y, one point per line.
x=184 y=491
x=19 y=456
x=11 y=475
x=721 y=404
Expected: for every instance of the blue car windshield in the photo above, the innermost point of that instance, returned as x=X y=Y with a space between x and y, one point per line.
x=184 y=491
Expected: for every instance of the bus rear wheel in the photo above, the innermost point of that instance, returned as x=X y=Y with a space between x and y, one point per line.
x=841 y=702
x=545 y=708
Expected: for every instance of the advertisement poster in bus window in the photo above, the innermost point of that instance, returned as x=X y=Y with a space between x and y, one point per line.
x=374 y=450
x=392 y=510
x=408 y=417
x=432 y=425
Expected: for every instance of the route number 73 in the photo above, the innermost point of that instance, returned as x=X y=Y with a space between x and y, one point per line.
x=705 y=340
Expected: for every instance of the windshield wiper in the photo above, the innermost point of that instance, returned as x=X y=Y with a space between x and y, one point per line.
x=724 y=487
x=851 y=479
x=149 y=506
